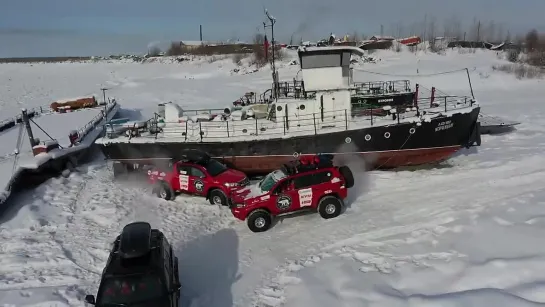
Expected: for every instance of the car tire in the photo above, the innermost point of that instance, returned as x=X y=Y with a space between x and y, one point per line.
x=217 y=197
x=259 y=220
x=330 y=207
x=164 y=191
x=346 y=172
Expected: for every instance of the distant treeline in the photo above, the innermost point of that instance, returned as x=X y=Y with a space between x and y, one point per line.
x=44 y=59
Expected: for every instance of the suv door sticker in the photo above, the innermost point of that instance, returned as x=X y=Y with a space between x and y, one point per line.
x=305 y=197
x=184 y=182
x=199 y=185
x=283 y=202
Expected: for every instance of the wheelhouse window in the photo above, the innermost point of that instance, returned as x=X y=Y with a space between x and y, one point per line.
x=321 y=61
x=130 y=289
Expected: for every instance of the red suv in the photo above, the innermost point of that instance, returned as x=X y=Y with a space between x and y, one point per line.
x=311 y=183
x=197 y=174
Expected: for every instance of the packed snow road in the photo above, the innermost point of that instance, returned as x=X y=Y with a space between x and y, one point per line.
x=56 y=238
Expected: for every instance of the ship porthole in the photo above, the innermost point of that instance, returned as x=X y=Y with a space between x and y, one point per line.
x=296 y=155
x=412 y=131
x=348 y=140
x=367 y=137
x=244 y=130
x=387 y=135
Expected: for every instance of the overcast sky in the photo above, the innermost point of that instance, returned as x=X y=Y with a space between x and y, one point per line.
x=79 y=27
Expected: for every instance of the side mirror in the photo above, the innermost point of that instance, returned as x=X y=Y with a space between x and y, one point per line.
x=90 y=299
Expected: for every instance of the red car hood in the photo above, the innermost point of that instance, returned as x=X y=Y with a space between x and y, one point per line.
x=231 y=176
x=247 y=194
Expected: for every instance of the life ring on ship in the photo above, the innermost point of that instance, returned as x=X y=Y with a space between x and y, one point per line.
x=368 y=137
x=348 y=140
x=387 y=135
x=412 y=131
x=296 y=155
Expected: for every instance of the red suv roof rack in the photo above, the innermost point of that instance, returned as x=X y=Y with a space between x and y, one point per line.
x=308 y=163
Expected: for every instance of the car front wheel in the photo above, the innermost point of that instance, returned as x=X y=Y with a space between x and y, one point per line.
x=259 y=220
x=217 y=197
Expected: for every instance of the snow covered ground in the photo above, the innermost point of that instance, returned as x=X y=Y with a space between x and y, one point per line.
x=466 y=233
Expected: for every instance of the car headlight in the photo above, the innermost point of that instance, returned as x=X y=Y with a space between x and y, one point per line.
x=231 y=184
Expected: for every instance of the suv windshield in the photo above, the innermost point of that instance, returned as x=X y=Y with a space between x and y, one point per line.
x=130 y=289
x=214 y=168
x=270 y=180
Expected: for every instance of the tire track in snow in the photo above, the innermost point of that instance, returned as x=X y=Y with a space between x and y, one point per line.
x=72 y=224
x=385 y=213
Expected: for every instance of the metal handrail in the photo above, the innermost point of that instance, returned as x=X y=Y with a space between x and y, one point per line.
x=194 y=131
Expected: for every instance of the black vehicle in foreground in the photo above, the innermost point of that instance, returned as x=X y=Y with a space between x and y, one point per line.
x=141 y=271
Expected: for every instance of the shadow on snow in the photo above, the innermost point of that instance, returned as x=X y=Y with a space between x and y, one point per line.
x=208 y=268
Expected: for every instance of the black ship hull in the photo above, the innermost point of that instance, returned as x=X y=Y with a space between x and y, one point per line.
x=400 y=144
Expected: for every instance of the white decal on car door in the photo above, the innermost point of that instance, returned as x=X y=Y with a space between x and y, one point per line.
x=305 y=197
x=184 y=182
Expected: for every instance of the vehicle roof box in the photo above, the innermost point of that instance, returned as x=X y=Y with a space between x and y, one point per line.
x=135 y=240
x=308 y=163
x=195 y=155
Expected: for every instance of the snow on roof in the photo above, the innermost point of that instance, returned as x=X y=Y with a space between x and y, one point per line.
x=378 y=37
x=73 y=99
x=194 y=43
x=352 y=49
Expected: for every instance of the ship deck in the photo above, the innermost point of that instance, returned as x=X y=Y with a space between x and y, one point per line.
x=58 y=127
x=190 y=131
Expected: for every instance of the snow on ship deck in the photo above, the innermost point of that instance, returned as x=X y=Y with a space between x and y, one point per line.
x=58 y=126
x=192 y=131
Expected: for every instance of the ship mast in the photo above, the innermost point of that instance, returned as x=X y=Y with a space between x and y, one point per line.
x=272 y=21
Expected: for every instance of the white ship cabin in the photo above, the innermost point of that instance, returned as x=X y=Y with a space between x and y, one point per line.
x=327 y=84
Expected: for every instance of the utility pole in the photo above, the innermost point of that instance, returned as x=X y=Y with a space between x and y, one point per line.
x=104 y=97
x=272 y=21
x=104 y=94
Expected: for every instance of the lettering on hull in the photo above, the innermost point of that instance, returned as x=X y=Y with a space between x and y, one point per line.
x=444 y=125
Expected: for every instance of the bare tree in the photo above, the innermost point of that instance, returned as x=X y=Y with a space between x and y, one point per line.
x=508 y=37
x=500 y=34
x=260 y=57
x=432 y=29
x=532 y=40
x=355 y=37
x=453 y=27
x=154 y=51
x=475 y=30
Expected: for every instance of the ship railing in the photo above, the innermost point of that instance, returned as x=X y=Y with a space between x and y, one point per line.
x=383 y=87
x=92 y=124
x=291 y=89
x=317 y=123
